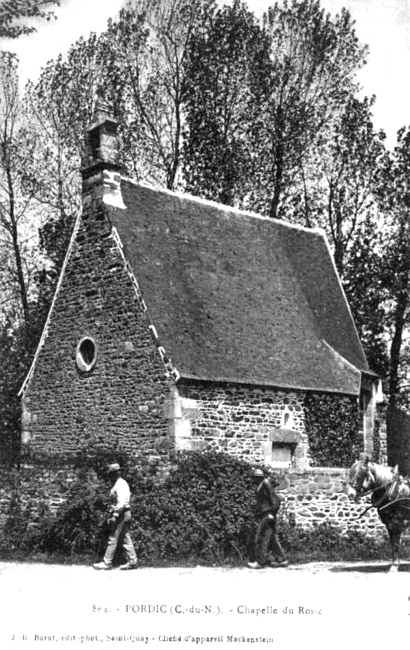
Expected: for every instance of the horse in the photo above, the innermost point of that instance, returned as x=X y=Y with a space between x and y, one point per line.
x=390 y=495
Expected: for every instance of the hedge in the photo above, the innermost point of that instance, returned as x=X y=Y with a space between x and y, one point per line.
x=201 y=512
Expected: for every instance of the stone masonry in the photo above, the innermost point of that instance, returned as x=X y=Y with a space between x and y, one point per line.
x=318 y=495
x=241 y=420
x=244 y=421
x=119 y=403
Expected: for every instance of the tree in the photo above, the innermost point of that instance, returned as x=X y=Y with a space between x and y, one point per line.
x=394 y=198
x=282 y=81
x=377 y=273
x=338 y=177
x=17 y=231
x=367 y=292
x=145 y=53
x=15 y=354
x=14 y=11
x=315 y=60
x=19 y=253
x=223 y=54
x=60 y=106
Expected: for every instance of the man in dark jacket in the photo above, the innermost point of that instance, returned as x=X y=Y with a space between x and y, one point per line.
x=267 y=507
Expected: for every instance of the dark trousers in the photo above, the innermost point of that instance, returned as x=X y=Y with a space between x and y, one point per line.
x=267 y=547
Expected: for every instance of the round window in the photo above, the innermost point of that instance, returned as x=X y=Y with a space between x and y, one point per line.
x=86 y=354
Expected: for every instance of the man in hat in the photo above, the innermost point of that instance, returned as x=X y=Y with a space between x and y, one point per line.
x=267 y=507
x=119 y=522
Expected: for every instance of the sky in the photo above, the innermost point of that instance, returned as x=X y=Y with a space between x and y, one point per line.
x=384 y=25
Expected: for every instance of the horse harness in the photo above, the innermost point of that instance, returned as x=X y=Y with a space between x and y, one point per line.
x=390 y=494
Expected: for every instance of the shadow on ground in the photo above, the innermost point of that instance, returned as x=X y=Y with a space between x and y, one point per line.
x=370 y=568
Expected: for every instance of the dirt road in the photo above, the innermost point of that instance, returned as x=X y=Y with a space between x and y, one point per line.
x=316 y=605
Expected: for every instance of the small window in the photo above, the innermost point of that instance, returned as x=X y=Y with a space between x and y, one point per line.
x=282 y=454
x=86 y=354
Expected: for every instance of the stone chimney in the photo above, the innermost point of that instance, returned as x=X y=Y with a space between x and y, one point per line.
x=101 y=161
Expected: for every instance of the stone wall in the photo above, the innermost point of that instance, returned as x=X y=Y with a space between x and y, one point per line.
x=240 y=420
x=256 y=424
x=117 y=401
x=34 y=488
x=318 y=495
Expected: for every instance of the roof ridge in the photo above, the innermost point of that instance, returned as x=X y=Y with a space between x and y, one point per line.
x=223 y=206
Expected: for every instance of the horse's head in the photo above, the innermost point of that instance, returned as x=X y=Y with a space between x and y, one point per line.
x=358 y=478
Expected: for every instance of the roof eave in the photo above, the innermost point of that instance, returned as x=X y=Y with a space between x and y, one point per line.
x=352 y=391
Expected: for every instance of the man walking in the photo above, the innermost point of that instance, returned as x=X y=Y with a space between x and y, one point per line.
x=119 y=522
x=267 y=507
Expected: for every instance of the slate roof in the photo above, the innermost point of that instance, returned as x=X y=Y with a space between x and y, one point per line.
x=238 y=297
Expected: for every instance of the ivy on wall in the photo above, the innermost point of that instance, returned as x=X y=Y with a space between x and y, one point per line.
x=332 y=425
x=398 y=439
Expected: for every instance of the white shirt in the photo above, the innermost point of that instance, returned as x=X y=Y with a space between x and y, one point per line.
x=120 y=496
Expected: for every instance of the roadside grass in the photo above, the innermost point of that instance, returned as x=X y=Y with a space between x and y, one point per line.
x=323 y=543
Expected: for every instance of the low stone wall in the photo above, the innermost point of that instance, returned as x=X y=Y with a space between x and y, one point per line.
x=33 y=488
x=318 y=495
x=311 y=497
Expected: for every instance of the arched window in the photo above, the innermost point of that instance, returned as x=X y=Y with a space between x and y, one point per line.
x=86 y=354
